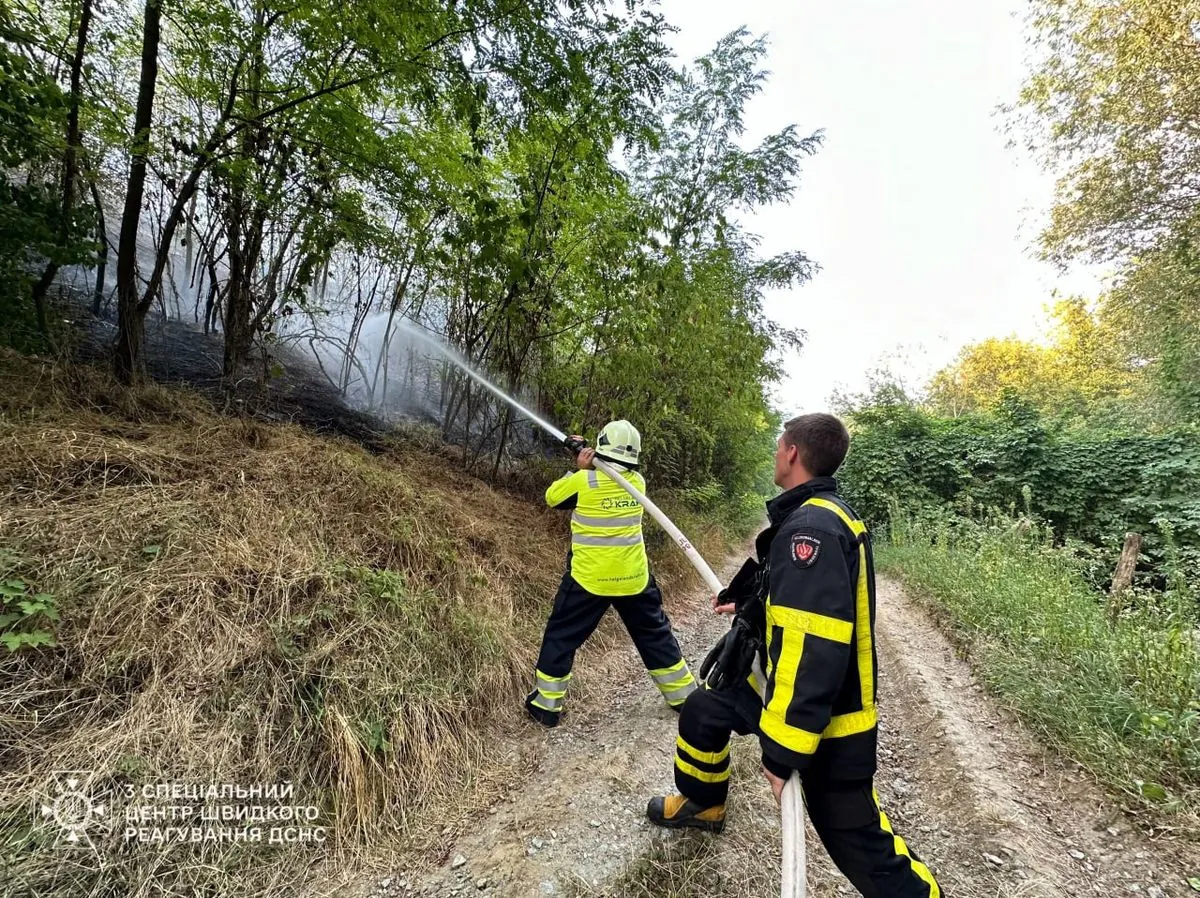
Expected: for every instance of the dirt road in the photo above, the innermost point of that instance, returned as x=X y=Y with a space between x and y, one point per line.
x=991 y=812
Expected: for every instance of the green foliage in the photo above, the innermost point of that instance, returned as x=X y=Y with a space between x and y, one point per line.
x=1123 y=700
x=1110 y=103
x=32 y=112
x=736 y=513
x=1090 y=487
x=1083 y=375
x=25 y=616
x=447 y=644
x=1115 y=89
x=534 y=182
x=1156 y=306
x=678 y=342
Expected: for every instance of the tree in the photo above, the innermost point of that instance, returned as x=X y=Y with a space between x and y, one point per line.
x=286 y=93
x=131 y=308
x=315 y=175
x=1084 y=369
x=63 y=249
x=1155 y=307
x=680 y=342
x=1113 y=104
x=32 y=123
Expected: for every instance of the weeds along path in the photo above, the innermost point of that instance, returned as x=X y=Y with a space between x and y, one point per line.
x=996 y=812
x=576 y=818
x=990 y=811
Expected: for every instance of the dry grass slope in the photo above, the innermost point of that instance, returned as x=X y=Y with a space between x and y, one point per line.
x=247 y=603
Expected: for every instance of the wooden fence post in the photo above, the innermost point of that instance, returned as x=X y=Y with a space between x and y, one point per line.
x=1123 y=576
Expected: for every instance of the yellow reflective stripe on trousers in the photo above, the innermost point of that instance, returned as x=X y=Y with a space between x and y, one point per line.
x=902 y=849
x=703 y=775
x=707 y=757
x=552 y=682
x=670 y=674
x=551 y=691
x=866 y=661
x=676 y=682
x=677 y=695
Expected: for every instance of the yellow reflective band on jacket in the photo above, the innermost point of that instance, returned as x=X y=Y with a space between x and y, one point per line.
x=807 y=622
x=863 y=720
x=773 y=724
x=791 y=626
x=608 y=554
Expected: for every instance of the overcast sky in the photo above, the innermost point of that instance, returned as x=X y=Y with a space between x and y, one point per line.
x=921 y=218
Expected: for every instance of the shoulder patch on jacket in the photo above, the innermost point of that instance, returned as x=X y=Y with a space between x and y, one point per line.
x=804 y=549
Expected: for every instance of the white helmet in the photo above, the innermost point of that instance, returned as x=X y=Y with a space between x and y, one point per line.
x=619 y=442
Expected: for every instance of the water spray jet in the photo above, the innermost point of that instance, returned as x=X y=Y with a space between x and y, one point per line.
x=792 y=883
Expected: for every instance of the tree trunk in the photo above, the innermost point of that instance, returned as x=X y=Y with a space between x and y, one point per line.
x=101 y=253
x=503 y=441
x=1123 y=576
x=237 y=296
x=189 y=244
x=128 y=362
x=70 y=168
x=246 y=222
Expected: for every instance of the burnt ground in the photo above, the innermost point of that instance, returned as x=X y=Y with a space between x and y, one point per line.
x=280 y=384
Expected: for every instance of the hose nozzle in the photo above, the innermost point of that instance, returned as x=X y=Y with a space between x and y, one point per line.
x=575 y=444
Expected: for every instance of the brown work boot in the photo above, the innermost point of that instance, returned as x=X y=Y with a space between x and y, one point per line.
x=677 y=812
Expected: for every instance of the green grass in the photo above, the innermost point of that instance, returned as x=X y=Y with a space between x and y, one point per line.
x=1123 y=700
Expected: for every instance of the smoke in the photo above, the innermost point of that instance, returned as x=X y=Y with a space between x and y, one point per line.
x=381 y=363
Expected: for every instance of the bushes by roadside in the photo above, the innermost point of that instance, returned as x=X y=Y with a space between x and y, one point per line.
x=1123 y=698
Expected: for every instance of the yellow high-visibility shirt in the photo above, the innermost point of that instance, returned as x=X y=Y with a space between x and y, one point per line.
x=608 y=555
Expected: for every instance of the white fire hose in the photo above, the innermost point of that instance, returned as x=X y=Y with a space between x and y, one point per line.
x=792 y=883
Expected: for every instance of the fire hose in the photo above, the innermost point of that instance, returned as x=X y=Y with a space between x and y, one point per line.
x=792 y=880
x=793 y=883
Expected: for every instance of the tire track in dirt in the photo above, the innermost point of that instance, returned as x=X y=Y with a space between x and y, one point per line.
x=990 y=811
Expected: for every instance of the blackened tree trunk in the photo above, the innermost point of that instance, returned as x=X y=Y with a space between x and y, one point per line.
x=70 y=168
x=128 y=361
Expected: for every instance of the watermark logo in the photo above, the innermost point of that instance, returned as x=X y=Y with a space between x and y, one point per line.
x=70 y=806
x=169 y=814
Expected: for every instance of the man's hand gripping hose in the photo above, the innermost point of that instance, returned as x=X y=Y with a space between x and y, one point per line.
x=792 y=880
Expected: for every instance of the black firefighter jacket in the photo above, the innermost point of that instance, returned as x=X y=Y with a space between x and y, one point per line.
x=819 y=699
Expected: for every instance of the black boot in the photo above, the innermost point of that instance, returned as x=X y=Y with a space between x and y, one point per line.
x=541 y=715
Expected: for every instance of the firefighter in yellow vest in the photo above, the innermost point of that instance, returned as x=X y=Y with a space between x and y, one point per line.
x=606 y=566
x=805 y=611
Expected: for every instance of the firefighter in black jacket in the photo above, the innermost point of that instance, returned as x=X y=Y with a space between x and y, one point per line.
x=807 y=618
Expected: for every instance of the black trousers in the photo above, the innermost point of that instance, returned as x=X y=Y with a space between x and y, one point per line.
x=845 y=813
x=575 y=616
